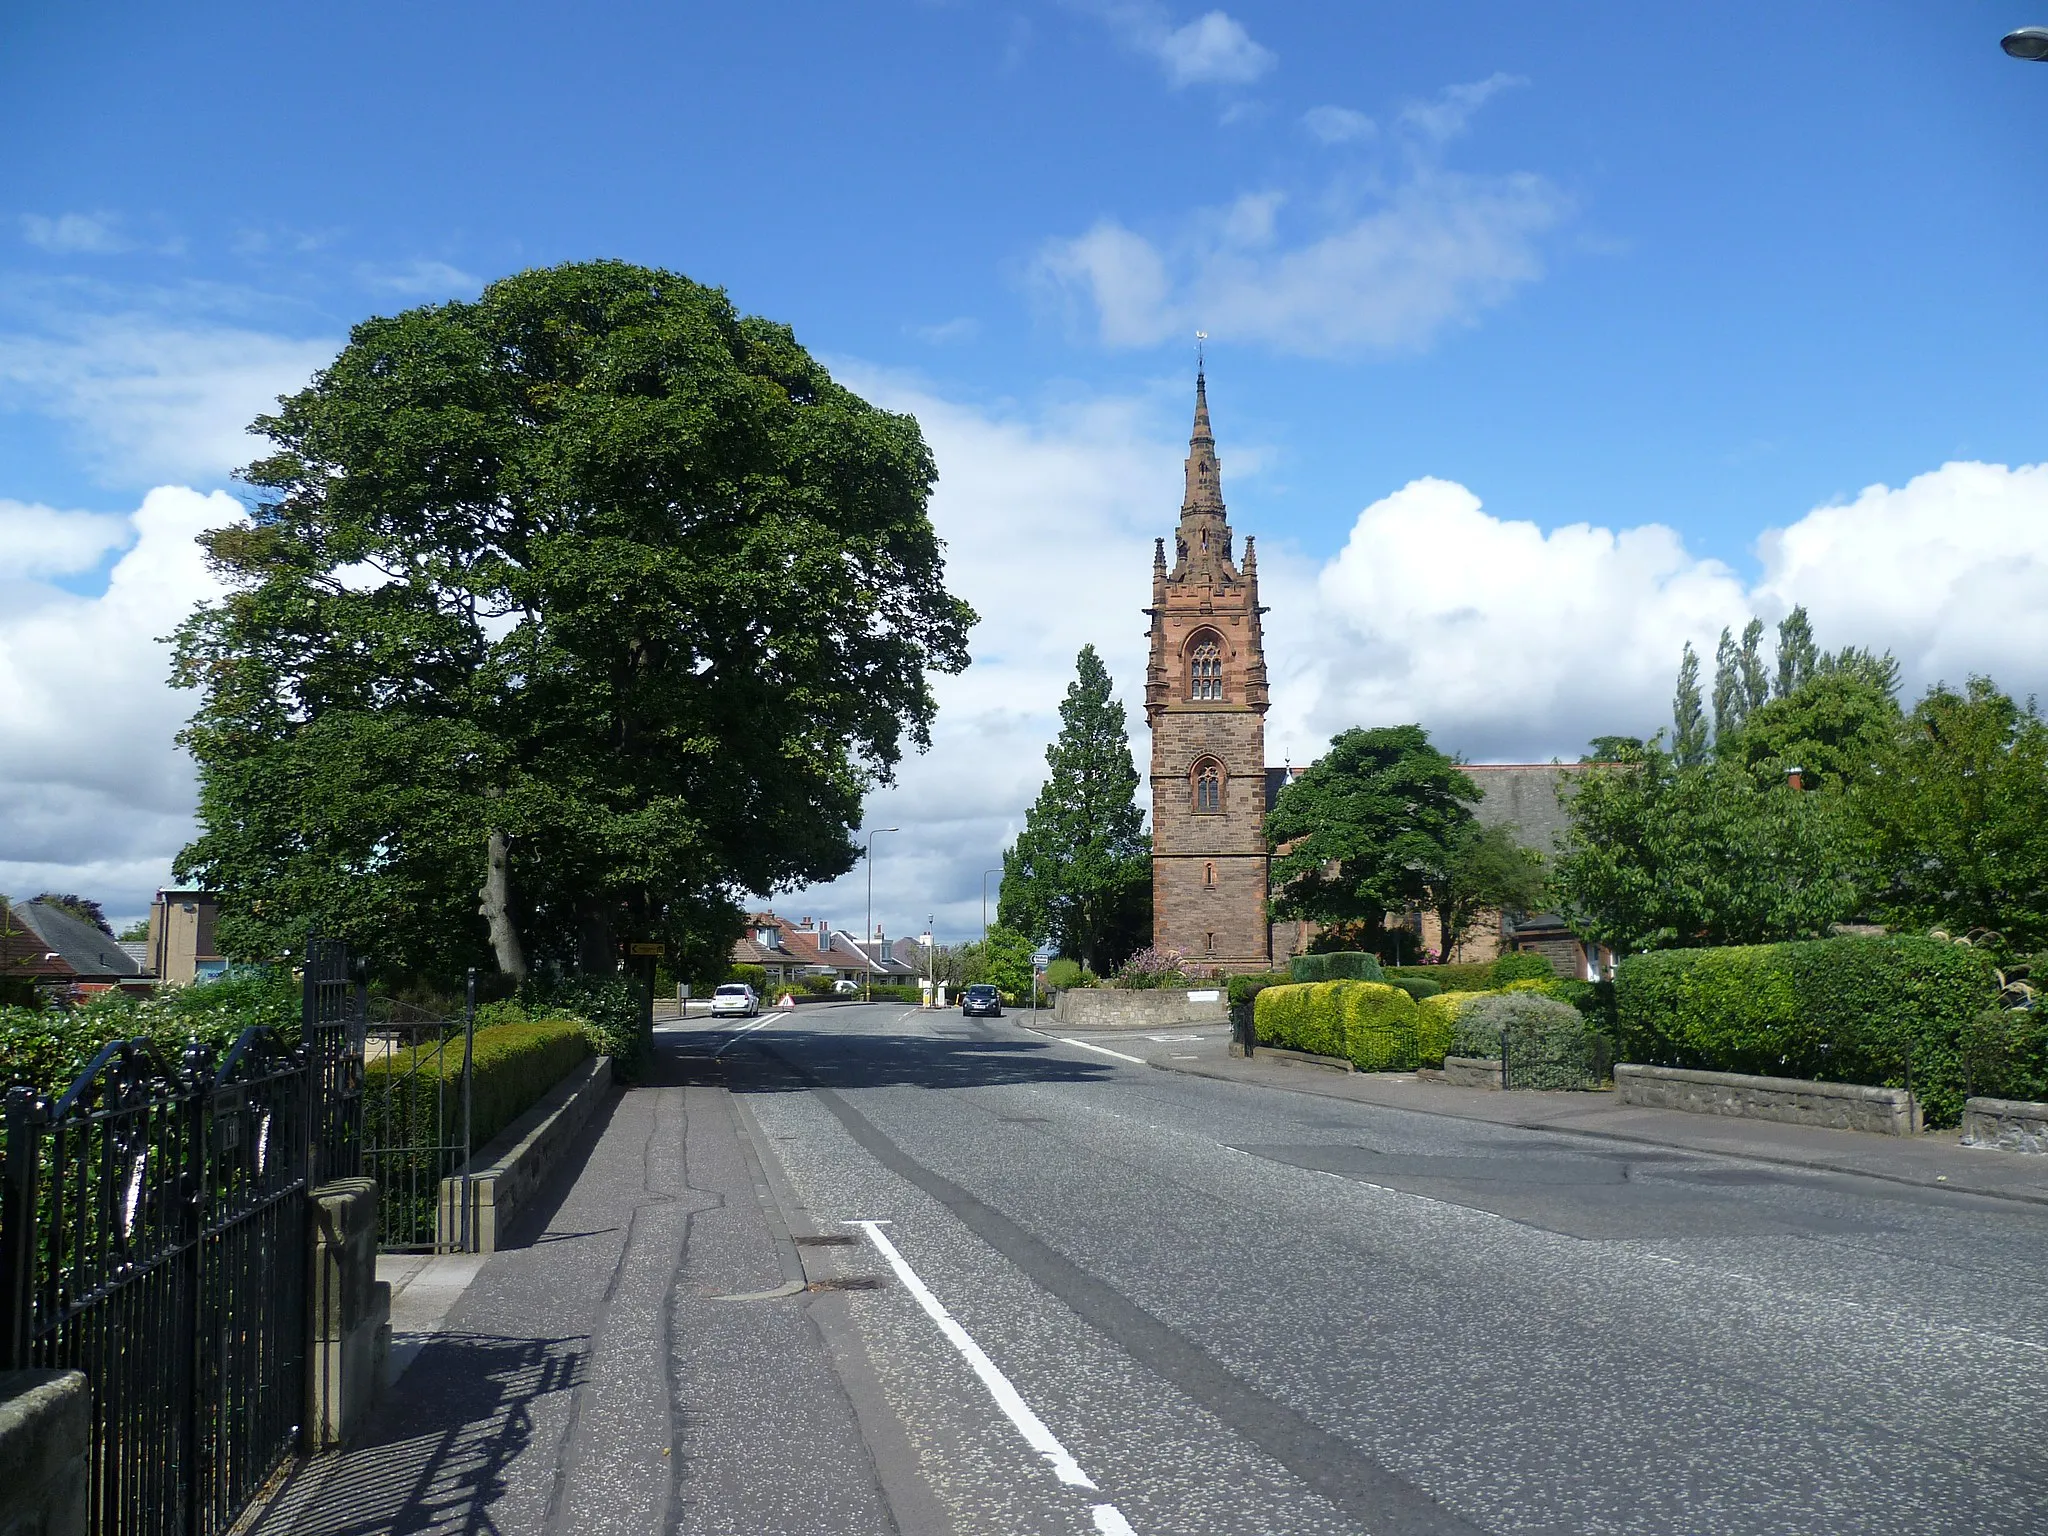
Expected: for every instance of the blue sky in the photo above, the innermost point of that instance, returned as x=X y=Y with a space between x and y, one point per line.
x=1586 y=264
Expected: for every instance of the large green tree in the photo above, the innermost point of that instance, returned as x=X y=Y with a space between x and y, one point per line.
x=1957 y=816
x=1657 y=855
x=1375 y=825
x=562 y=617
x=1080 y=874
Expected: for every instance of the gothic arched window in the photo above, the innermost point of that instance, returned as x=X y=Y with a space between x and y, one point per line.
x=1205 y=670
x=1209 y=874
x=1208 y=783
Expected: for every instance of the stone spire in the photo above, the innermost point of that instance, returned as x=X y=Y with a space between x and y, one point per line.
x=1204 y=473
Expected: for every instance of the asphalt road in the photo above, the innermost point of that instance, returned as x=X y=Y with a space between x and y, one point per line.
x=1238 y=1310
x=859 y=1271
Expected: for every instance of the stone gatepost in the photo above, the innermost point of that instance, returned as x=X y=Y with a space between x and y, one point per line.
x=348 y=1311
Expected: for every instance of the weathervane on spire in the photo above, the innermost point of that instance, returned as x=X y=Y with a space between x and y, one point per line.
x=1200 y=338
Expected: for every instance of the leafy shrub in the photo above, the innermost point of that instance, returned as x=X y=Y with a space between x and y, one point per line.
x=755 y=976
x=1461 y=977
x=1379 y=1027
x=1854 y=1010
x=514 y=1067
x=1550 y=1041
x=1371 y=1024
x=819 y=986
x=1339 y=965
x=893 y=994
x=2005 y=1053
x=504 y=1011
x=1417 y=987
x=1062 y=974
x=46 y=1048
x=1436 y=1022
x=1242 y=993
x=1151 y=968
x=1520 y=966
x=610 y=1007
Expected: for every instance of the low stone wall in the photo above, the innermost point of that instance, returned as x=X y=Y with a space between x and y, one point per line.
x=1836 y=1106
x=1472 y=1072
x=2011 y=1125
x=505 y=1175
x=45 y=1436
x=350 y=1313
x=1114 y=1008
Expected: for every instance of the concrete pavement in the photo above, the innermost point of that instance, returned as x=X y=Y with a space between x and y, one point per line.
x=1084 y=1295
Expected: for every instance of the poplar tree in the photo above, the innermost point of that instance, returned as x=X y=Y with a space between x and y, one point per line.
x=1080 y=874
x=1688 y=719
x=1798 y=657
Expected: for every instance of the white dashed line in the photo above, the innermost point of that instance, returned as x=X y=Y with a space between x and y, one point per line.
x=1136 y=1061
x=1108 y=1519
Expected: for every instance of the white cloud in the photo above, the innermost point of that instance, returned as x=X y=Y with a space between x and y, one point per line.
x=420 y=279
x=1213 y=49
x=960 y=328
x=1440 y=251
x=99 y=798
x=42 y=541
x=153 y=400
x=1452 y=111
x=75 y=234
x=1533 y=641
x=1338 y=125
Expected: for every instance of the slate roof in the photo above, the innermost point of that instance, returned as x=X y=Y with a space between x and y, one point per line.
x=87 y=953
x=1524 y=796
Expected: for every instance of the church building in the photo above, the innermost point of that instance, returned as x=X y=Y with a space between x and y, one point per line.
x=1205 y=700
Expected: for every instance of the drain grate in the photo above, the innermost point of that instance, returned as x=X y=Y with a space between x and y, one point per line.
x=847 y=1283
x=826 y=1240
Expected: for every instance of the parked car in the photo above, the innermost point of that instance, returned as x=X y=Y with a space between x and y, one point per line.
x=735 y=997
x=845 y=987
x=980 y=1001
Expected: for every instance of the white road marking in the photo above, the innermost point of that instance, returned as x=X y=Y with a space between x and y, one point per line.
x=1136 y=1061
x=1108 y=1519
x=761 y=1023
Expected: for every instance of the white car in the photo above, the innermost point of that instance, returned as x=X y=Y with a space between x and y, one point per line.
x=735 y=997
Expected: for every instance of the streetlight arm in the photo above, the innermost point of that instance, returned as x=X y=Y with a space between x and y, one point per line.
x=2030 y=43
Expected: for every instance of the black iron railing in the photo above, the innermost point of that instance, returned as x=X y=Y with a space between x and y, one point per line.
x=336 y=1011
x=416 y=1124
x=153 y=1235
x=1529 y=1060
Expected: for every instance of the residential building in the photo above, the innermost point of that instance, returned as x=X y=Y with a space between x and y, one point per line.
x=56 y=951
x=182 y=947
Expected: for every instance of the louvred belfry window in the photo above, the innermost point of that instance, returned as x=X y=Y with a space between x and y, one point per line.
x=1208 y=785
x=1205 y=671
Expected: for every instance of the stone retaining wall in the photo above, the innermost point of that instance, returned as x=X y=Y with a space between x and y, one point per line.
x=2011 y=1125
x=1113 y=1008
x=504 y=1176
x=45 y=1436
x=1472 y=1072
x=1794 y=1101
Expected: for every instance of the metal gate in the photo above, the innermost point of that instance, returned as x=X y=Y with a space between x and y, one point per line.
x=416 y=1124
x=335 y=1010
x=153 y=1235
x=1531 y=1060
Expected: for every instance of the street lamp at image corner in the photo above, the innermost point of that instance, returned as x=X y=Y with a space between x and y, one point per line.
x=2030 y=43
x=868 y=975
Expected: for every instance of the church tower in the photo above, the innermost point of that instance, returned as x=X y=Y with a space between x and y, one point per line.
x=1205 y=700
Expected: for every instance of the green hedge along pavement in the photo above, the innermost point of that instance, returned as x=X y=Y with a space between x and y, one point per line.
x=1878 y=1011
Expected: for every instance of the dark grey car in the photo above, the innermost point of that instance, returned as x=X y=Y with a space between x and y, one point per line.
x=981 y=1002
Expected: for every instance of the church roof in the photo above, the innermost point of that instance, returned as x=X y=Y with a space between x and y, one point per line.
x=1524 y=796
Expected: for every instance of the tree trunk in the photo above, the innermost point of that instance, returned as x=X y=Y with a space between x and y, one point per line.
x=497 y=906
x=597 y=955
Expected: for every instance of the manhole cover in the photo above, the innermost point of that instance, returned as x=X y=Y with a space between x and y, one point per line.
x=847 y=1283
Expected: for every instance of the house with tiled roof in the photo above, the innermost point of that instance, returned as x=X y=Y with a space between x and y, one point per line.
x=56 y=951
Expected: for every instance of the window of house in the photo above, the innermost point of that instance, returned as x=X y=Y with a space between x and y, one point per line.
x=1208 y=785
x=1205 y=671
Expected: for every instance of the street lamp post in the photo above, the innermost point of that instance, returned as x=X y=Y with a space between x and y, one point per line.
x=868 y=977
x=984 y=907
x=2029 y=43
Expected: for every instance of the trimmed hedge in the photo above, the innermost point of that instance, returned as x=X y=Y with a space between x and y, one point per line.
x=515 y=1066
x=1461 y=977
x=1338 y=965
x=1417 y=987
x=1436 y=1023
x=1244 y=990
x=1369 y=1023
x=1852 y=1010
x=1520 y=966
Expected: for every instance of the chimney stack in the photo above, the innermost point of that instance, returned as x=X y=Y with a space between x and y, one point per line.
x=1796 y=777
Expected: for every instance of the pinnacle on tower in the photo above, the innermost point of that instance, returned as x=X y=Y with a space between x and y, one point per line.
x=1204 y=472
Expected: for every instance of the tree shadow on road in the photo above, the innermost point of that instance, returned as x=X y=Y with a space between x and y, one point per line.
x=794 y=1059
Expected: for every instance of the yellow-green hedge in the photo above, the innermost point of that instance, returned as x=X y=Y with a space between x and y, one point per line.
x=515 y=1065
x=1436 y=1021
x=1369 y=1023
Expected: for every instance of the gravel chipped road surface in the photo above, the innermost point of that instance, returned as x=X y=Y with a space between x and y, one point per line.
x=1230 y=1309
